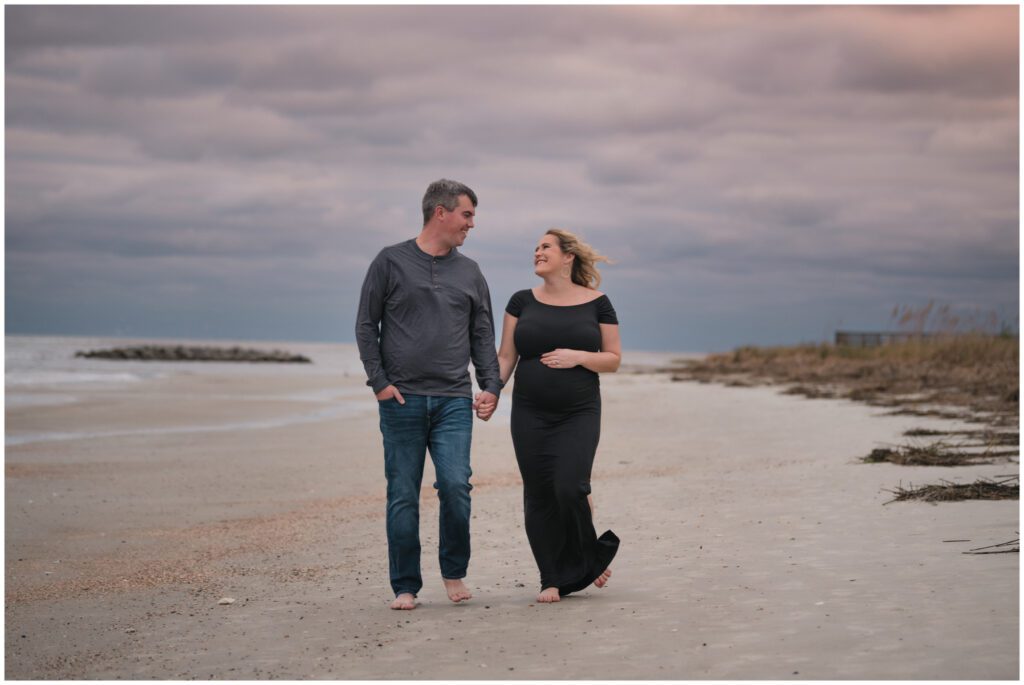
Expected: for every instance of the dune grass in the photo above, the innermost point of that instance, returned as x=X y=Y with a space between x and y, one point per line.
x=977 y=374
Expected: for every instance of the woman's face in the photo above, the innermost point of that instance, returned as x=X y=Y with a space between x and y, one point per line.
x=548 y=257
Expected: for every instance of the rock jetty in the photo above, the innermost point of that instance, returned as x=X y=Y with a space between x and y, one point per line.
x=184 y=353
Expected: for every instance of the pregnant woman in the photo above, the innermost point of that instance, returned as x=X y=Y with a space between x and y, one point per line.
x=558 y=337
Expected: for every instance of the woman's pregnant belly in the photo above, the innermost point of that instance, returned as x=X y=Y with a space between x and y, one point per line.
x=555 y=389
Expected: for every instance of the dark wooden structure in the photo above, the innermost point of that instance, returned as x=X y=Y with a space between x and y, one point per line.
x=876 y=338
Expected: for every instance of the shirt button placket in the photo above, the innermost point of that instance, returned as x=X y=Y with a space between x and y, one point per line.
x=433 y=273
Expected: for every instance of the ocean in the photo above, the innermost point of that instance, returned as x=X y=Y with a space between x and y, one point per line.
x=43 y=371
x=49 y=361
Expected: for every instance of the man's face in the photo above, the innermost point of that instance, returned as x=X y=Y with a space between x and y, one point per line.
x=456 y=223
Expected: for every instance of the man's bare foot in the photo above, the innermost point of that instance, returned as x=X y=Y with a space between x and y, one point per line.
x=549 y=595
x=456 y=589
x=602 y=579
x=404 y=601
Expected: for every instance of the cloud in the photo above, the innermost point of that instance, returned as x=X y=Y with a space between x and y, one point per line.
x=963 y=51
x=745 y=156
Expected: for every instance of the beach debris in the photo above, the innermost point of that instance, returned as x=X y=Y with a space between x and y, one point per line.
x=226 y=600
x=935 y=454
x=947 y=491
x=975 y=438
x=963 y=452
x=187 y=353
x=1000 y=548
x=810 y=392
x=937 y=414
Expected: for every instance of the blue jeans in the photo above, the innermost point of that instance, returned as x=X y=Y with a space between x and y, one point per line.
x=444 y=425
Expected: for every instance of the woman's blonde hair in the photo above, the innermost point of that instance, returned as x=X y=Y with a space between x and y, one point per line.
x=584 y=266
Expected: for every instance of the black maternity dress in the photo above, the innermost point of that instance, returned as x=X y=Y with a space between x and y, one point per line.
x=556 y=424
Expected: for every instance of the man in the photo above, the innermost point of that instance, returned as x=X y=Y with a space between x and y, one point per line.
x=424 y=311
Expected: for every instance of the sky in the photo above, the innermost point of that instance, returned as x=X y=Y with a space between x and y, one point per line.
x=759 y=175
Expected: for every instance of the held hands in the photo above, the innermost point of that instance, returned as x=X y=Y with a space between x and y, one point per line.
x=389 y=392
x=562 y=358
x=485 y=403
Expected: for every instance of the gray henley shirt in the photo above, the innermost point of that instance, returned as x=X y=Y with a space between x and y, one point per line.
x=420 y=320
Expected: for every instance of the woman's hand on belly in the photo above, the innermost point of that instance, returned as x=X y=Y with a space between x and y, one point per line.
x=562 y=358
x=554 y=388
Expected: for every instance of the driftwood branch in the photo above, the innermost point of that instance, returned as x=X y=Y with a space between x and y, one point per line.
x=992 y=548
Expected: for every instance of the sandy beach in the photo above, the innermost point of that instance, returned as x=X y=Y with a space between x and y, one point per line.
x=755 y=545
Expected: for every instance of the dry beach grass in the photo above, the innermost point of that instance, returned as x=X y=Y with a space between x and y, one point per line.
x=969 y=376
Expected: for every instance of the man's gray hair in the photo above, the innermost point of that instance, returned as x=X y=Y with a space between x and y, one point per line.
x=445 y=193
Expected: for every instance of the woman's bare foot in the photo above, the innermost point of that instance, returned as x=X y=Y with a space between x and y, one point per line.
x=404 y=601
x=602 y=579
x=456 y=589
x=549 y=595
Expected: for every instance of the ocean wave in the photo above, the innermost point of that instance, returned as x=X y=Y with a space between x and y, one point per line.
x=336 y=411
x=35 y=378
x=12 y=400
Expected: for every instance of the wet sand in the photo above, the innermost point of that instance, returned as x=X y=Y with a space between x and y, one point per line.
x=754 y=545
